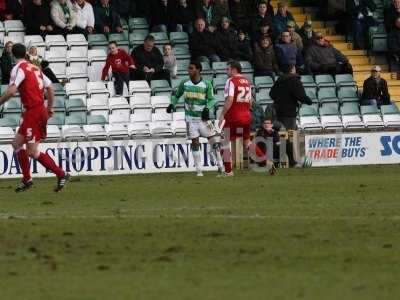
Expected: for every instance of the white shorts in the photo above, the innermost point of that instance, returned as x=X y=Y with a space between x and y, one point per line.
x=197 y=129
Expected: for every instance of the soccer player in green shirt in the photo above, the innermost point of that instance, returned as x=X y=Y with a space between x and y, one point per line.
x=198 y=96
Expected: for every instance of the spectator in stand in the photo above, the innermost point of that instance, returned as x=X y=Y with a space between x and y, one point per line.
x=124 y=8
x=106 y=19
x=307 y=34
x=14 y=9
x=264 y=16
x=34 y=57
x=183 y=17
x=375 y=89
x=48 y=72
x=160 y=18
x=64 y=17
x=283 y=16
x=393 y=41
x=390 y=14
x=362 y=19
x=226 y=38
x=323 y=58
x=264 y=30
x=206 y=12
x=239 y=14
x=149 y=62
x=244 y=46
x=287 y=54
x=37 y=18
x=296 y=38
x=7 y=62
x=84 y=16
x=265 y=63
x=202 y=43
x=170 y=62
x=221 y=9
x=120 y=63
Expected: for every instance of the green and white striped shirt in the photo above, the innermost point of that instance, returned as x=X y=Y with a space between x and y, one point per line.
x=197 y=97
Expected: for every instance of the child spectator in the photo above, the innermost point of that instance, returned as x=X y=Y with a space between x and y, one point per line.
x=170 y=62
x=244 y=46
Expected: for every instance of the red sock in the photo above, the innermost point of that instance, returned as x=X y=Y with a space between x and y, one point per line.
x=49 y=164
x=23 y=160
x=227 y=159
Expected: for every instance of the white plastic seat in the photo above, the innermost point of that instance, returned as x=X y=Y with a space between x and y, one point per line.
x=372 y=121
x=53 y=133
x=139 y=86
x=118 y=118
x=95 y=132
x=97 y=106
x=142 y=100
x=141 y=115
x=391 y=120
x=160 y=101
x=56 y=41
x=14 y=38
x=77 y=42
x=76 y=74
x=6 y=134
x=13 y=26
x=94 y=72
x=161 y=124
x=97 y=55
x=179 y=127
x=76 y=90
x=115 y=131
x=76 y=57
x=139 y=129
x=119 y=105
x=310 y=123
x=352 y=121
x=331 y=122
x=72 y=132
x=178 y=116
x=97 y=88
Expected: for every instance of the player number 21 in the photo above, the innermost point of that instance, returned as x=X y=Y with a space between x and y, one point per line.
x=244 y=94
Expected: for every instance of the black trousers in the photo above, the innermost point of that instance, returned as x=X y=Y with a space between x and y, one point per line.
x=141 y=75
x=120 y=79
x=290 y=124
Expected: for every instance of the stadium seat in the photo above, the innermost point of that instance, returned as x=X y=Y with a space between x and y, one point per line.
x=309 y=118
x=59 y=104
x=137 y=37
x=97 y=41
x=183 y=65
x=75 y=120
x=160 y=102
x=312 y=94
x=14 y=39
x=206 y=70
x=53 y=132
x=219 y=68
x=330 y=118
x=12 y=106
x=175 y=83
x=97 y=89
x=308 y=81
x=76 y=106
x=95 y=132
x=324 y=81
x=179 y=128
x=390 y=115
x=137 y=23
x=139 y=86
x=96 y=119
x=219 y=99
x=2 y=32
x=347 y=95
x=37 y=41
x=59 y=89
x=120 y=38
x=142 y=100
x=9 y=121
x=77 y=42
x=219 y=83
x=76 y=90
x=160 y=38
x=77 y=58
x=98 y=106
x=179 y=38
x=178 y=116
x=57 y=120
x=56 y=42
x=77 y=74
x=94 y=72
x=139 y=123
x=327 y=95
x=261 y=82
x=263 y=97
x=371 y=116
x=247 y=70
x=161 y=124
x=72 y=132
x=14 y=26
x=119 y=106
x=116 y=131
x=6 y=134
x=343 y=80
x=57 y=62
x=160 y=87
x=181 y=52
x=97 y=57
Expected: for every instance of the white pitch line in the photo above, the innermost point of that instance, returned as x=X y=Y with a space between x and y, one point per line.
x=169 y=216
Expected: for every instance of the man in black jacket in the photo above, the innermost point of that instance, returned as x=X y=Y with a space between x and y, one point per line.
x=228 y=41
x=202 y=43
x=149 y=62
x=106 y=17
x=375 y=89
x=287 y=92
x=37 y=18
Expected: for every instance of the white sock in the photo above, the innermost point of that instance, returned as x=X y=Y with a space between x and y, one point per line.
x=218 y=159
x=197 y=159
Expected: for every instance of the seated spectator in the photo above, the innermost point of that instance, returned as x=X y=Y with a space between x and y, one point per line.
x=205 y=11
x=265 y=14
x=393 y=41
x=268 y=134
x=390 y=14
x=375 y=89
x=226 y=38
x=48 y=72
x=37 y=18
x=34 y=57
x=183 y=17
x=202 y=43
x=84 y=16
x=170 y=62
x=149 y=62
x=160 y=18
x=124 y=8
x=265 y=30
x=106 y=19
x=296 y=38
x=281 y=18
x=64 y=17
x=120 y=63
x=7 y=62
x=239 y=14
x=362 y=19
x=221 y=9
x=323 y=58
x=244 y=47
x=307 y=34
x=14 y=9
x=265 y=63
x=287 y=54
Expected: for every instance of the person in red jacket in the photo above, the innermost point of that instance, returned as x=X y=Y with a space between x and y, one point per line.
x=120 y=62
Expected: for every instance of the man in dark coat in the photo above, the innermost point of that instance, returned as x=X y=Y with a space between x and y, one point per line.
x=287 y=53
x=287 y=92
x=323 y=58
x=393 y=40
x=227 y=41
x=202 y=43
x=265 y=14
x=149 y=62
x=390 y=14
x=375 y=89
x=37 y=18
x=264 y=60
x=106 y=17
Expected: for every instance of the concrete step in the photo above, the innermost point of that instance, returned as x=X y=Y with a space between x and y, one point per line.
x=361 y=61
x=335 y=38
x=367 y=68
x=343 y=46
x=361 y=76
x=354 y=53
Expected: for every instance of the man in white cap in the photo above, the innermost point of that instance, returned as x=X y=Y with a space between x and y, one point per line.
x=375 y=89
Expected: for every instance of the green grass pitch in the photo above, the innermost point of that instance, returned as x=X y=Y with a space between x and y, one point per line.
x=331 y=233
